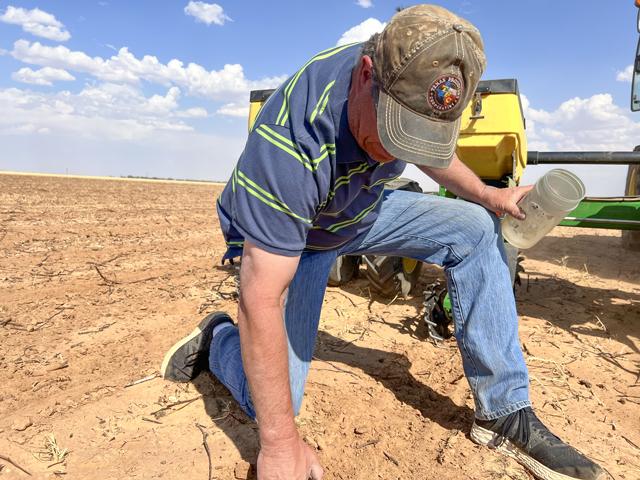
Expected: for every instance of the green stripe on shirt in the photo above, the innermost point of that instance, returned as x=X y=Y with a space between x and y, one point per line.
x=266 y=197
x=284 y=110
x=343 y=180
x=322 y=102
x=338 y=226
x=292 y=149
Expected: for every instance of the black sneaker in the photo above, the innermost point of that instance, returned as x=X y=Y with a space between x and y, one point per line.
x=523 y=437
x=189 y=356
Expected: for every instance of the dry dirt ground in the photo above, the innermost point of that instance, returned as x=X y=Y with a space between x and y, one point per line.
x=98 y=278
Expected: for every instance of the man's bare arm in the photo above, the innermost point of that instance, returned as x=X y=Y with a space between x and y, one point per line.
x=264 y=279
x=460 y=179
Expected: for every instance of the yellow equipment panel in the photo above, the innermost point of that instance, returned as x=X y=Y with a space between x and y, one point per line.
x=256 y=100
x=492 y=141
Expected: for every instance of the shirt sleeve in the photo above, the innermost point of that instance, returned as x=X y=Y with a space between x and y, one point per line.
x=275 y=189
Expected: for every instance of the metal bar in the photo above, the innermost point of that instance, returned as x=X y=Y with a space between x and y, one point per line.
x=583 y=158
x=614 y=213
x=612 y=221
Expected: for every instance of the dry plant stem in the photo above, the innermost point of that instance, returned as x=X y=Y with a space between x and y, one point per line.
x=49 y=319
x=394 y=299
x=142 y=380
x=360 y=337
x=110 y=282
x=98 y=330
x=630 y=442
x=336 y=368
x=371 y=300
x=370 y=442
x=217 y=288
x=175 y=404
x=601 y=323
x=206 y=447
x=145 y=419
x=51 y=451
x=56 y=463
x=7 y=459
x=102 y=264
x=346 y=296
x=104 y=279
x=391 y=458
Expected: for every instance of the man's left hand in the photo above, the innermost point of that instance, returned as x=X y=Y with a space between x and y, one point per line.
x=505 y=200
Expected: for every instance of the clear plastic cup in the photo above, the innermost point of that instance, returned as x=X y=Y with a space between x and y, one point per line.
x=554 y=195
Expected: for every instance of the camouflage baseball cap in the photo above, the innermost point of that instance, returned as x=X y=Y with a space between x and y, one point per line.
x=428 y=62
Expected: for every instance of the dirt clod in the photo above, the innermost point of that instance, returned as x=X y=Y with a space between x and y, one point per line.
x=242 y=470
x=584 y=382
x=22 y=424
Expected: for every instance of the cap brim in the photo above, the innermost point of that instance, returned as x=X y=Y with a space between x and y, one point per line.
x=414 y=138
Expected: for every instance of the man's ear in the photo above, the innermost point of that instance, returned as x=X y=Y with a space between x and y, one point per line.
x=365 y=70
x=363 y=73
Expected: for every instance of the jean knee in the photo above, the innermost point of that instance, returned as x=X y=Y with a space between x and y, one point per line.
x=480 y=226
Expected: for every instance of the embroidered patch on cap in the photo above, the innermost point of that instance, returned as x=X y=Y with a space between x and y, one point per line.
x=445 y=92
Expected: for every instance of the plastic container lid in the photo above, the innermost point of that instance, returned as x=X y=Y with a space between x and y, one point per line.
x=560 y=191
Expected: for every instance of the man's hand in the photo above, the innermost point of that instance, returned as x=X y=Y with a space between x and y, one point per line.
x=288 y=460
x=504 y=200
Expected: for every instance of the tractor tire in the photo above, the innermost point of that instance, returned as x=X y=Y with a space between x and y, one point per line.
x=631 y=238
x=344 y=269
x=391 y=276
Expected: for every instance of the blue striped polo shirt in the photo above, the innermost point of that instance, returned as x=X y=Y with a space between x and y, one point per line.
x=302 y=181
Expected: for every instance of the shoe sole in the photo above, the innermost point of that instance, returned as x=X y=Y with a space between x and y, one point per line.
x=199 y=330
x=485 y=437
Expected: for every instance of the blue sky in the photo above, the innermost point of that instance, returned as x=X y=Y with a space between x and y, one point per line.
x=79 y=96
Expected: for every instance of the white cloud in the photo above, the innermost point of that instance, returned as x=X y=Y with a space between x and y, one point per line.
x=206 y=12
x=625 y=75
x=593 y=123
x=195 y=112
x=111 y=129
x=108 y=111
x=362 y=31
x=365 y=3
x=37 y=22
x=583 y=124
x=234 y=110
x=227 y=84
x=44 y=76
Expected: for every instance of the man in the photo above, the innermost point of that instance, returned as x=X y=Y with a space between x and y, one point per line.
x=309 y=187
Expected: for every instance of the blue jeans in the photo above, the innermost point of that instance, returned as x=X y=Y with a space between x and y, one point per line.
x=462 y=237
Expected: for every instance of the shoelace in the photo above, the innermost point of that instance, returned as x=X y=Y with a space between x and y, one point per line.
x=523 y=430
x=524 y=420
x=192 y=360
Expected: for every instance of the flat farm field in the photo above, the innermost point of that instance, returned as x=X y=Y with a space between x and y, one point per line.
x=98 y=278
